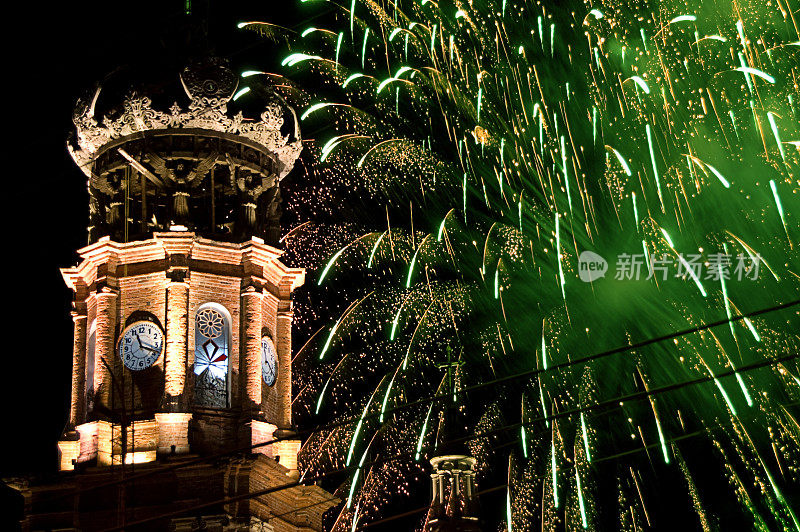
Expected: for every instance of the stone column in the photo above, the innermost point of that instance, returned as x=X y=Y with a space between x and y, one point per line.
x=77 y=410
x=175 y=348
x=105 y=343
x=283 y=384
x=250 y=349
x=68 y=453
x=173 y=432
x=435 y=490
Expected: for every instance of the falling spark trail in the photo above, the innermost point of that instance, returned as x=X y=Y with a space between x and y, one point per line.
x=756 y=72
x=422 y=433
x=414 y=261
x=774 y=127
x=497 y=281
x=778 y=203
x=725 y=295
x=330 y=263
x=241 y=93
x=661 y=438
x=374 y=249
x=682 y=18
x=353 y=77
x=693 y=275
x=524 y=441
x=358 y=428
x=641 y=83
x=341 y=319
x=584 y=522
x=508 y=507
x=465 y=196
x=386 y=398
x=621 y=160
x=339 y=40
x=353 y=489
x=544 y=407
x=585 y=439
x=724 y=181
x=441 y=226
x=655 y=168
x=321 y=396
x=724 y=394
x=669 y=240
x=558 y=256
x=566 y=177
x=330 y=338
x=313 y=108
x=752 y=329
x=364 y=47
x=739 y=379
x=355 y=514
x=553 y=469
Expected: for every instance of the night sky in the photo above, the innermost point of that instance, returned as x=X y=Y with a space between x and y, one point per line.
x=56 y=55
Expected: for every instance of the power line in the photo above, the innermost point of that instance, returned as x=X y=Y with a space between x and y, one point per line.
x=556 y=415
x=438 y=398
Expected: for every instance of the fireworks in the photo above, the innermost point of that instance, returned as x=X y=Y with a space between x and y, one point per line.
x=464 y=155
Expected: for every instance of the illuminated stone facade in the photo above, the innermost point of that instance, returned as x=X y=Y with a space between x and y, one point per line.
x=169 y=277
x=163 y=253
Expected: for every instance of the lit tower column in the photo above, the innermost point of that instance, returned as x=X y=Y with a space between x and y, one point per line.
x=77 y=410
x=173 y=424
x=284 y=383
x=105 y=339
x=176 y=338
x=252 y=317
x=69 y=446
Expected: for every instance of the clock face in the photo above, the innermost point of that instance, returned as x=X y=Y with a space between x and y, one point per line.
x=269 y=361
x=140 y=345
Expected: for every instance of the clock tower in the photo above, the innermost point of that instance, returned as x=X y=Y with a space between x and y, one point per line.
x=182 y=311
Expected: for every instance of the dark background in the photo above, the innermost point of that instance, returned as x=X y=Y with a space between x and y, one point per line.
x=53 y=54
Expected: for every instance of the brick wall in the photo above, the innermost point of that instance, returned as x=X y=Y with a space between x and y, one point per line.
x=261 y=432
x=265 y=473
x=88 y=439
x=173 y=433
x=115 y=280
x=141 y=438
x=213 y=432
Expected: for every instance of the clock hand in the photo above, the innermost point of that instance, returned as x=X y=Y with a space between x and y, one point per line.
x=149 y=348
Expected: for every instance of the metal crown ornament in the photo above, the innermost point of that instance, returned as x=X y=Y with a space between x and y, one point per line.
x=196 y=167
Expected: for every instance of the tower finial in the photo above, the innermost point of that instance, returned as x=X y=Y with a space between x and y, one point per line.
x=197 y=166
x=454 y=505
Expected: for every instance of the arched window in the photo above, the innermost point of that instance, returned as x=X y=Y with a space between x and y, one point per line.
x=91 y=340
x=212 y=339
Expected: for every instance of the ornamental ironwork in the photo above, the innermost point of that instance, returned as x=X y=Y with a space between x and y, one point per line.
x=194 y=166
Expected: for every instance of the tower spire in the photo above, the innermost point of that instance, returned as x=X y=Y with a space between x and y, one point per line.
x=454 y=503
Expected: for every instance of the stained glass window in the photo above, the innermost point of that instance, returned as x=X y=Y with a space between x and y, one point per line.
x=211 y=351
